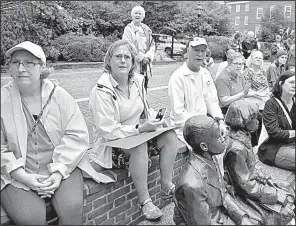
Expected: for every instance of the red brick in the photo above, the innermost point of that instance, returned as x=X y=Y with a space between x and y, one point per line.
x=125 y=222
x=177 y=171
x=100 y=211
x=116 y=194
x=101 y=219
x=153 y=198
x=120 y=217
x=128 y=181
x=99 y=202
x=135 y=201
x=108 y=222
x=179 y=163
x=87 y=208
x=153 y=176
x=117 y=184
x=120 y=209
x=132 y=210
x=119 y=201
x=99 y=187
x=97 y=195
x=137 y=221
x=151 y=184
x=158 y=195
x=121 y=174
x=157 y=202
x=154 y=190
x=132 y=194
x=136 y=215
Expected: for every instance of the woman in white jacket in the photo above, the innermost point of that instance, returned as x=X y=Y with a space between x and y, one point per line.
x=44 y=140
x=117 y=103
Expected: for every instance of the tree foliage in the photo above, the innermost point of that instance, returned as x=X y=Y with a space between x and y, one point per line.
x=43 y=22
x=270 y=26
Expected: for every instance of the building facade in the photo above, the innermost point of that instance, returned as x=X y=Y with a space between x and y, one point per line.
x=246 y=15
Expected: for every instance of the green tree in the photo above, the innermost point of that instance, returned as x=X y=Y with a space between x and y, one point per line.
x=213 y=21
x=270 y=26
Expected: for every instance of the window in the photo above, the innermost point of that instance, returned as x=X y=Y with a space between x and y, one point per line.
x=259 y=13
x=288 y=11
x=246 y=21
x=236 y=21
x=271 y=11
x=247 y=7
x=237 y=8
x=229 y=7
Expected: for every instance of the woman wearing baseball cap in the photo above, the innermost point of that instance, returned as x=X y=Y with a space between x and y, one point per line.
x=276 y=68
x=44 y=139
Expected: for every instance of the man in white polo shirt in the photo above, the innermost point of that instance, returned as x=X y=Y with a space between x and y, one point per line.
x=191 y=90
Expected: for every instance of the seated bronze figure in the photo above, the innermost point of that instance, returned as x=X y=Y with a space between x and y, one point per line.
x=200 y=196
x=272 y=198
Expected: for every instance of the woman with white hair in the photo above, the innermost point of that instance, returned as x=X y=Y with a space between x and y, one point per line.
x=256 y=78
x=140 y=35
x=254 y=75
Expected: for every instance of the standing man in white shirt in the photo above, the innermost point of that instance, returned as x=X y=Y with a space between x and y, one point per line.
x=192 y=91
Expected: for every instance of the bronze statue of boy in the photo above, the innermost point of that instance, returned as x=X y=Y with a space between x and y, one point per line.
x=200 y=196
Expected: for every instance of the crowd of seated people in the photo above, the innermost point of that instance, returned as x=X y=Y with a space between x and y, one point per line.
x=44 y=137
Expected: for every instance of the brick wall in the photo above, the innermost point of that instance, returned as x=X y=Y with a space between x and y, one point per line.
x=117 y=203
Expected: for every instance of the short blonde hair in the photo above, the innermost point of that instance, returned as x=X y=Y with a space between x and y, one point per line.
x=138 y=8
x=110 y=51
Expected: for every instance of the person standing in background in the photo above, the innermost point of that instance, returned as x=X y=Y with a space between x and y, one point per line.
x=275 y=47
x=140 y=35
x=249 y=44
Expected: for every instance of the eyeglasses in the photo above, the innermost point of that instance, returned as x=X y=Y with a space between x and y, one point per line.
x=26 y=64
x=238 y=64
x=119 y=57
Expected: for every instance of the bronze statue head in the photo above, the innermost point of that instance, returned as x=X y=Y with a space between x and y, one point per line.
x=242 y=115
x=202 y=133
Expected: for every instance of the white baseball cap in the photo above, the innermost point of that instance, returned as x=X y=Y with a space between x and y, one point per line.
x=36 y=50
x=198 y=41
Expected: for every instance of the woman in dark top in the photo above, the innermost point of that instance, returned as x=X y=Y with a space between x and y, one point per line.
x=280 y=130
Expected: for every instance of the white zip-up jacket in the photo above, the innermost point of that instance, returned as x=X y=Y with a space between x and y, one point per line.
x=64 y=124
x=105 y=116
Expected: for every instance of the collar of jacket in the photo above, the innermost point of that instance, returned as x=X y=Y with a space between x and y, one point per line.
x=135 y=29
x=46 y=88
x=187 y=72
x=108 y=83
x=243 y=137
x=206 y=168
